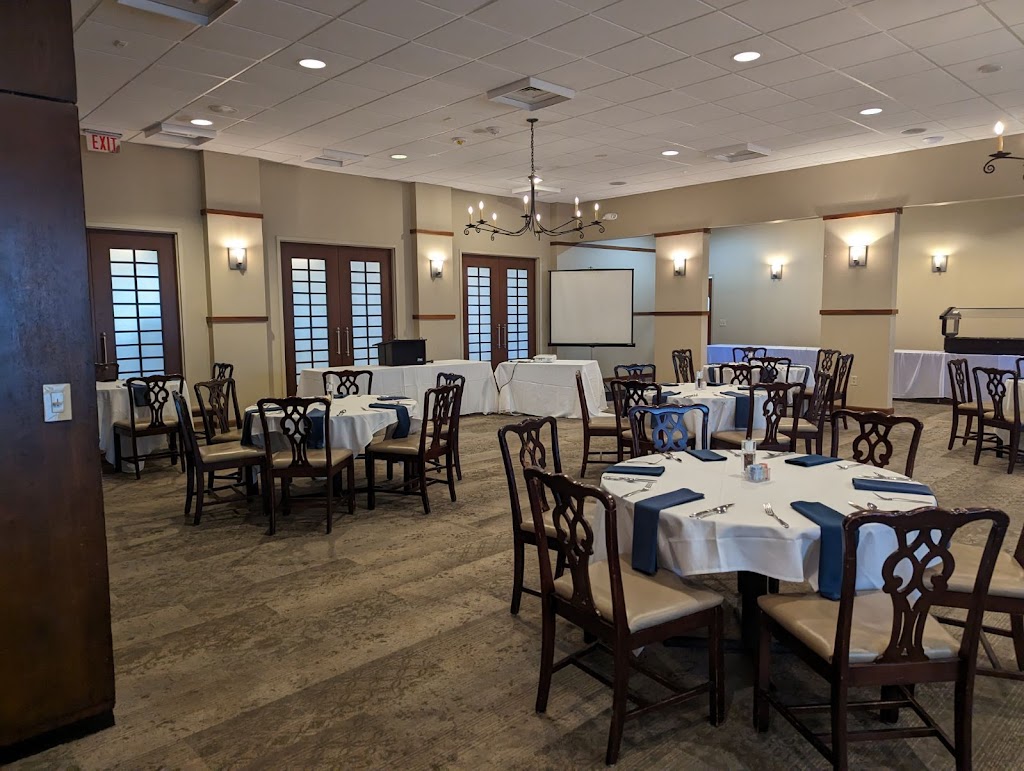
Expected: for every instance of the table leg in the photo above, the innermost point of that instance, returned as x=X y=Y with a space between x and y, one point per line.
x=751 y=586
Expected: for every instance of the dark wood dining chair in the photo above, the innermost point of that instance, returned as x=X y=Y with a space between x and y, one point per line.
x=222 y=371
x=997 y=394
x=844 y=368
x=826 y=359
x=621 y=609
x=748 y=353
x=644 y=372
x=431 y=449
x=1019 y=363
x=882 y=639
x=873 y=443
x=151 y=394
x=537 y=446
x=593 y=426
x=775 y=369
x=811 y=425
x=682 y=365
x=347 y=382
x=216 y=409
x=781 y=410
x=300 y=460
x=459 y=381
x=663 y=429
x=202 y=461
x=963 y=400
x=626 y=394
x=741 y=373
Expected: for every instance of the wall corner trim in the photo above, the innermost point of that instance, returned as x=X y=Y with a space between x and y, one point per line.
x=671 y=313
x=425 y=232
x=237 y=319
x=434 y=316
x=844 y=215
x=231 y=213
x=608 y=247
x=682 y=232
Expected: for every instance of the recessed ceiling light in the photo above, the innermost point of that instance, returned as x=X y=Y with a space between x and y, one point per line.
x=871 y=111
x=399 y=157
x=670 y=152
x=201 y=122
x=912 y=131
x=933 y=140
x=617 y=184
x=747 y=56
x=312 y=64
x=988 y=69
x=221 y=109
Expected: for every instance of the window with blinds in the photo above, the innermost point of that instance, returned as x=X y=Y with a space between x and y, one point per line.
x=367 y=311
x=138 y=318
x=517 y=339
x=478 y=313
x=309 y=313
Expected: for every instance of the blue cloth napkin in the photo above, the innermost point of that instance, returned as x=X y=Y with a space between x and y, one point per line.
x=742 y=408
x=640 y=471
x=140 y=395
x=390 y=398
x=402 y=429
x=811 y=460
x=888 y=486
x=713 y=373
x=666 y=394
x=830 y=556
x=250 y=416
x=646 y=514
x=705 y=454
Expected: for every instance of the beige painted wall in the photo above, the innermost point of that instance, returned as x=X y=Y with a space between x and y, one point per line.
x=755 y=309
x=985 y=243
x=674 y=294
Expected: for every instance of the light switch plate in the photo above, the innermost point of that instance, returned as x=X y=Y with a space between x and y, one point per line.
x=56 y=402
x=721 y=322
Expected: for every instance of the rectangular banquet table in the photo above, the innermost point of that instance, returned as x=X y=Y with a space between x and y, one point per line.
x=112 y=405
x=549 y=388
x=480 y=395
x=924 y=374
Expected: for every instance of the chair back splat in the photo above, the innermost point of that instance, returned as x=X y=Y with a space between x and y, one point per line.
x=682 y=365
x=644 y=372
x=874 y=441
x=347 y=382
x=663 y=428
x=156 y=391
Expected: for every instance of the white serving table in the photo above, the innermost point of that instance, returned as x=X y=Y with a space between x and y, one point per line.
x=924 y=374
x=721 y=408
x=113 y=404
x=549 y=388
x=479 y=396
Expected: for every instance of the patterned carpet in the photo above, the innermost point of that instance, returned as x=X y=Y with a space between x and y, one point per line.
x=389 y=643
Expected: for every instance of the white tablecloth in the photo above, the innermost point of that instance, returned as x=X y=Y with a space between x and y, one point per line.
x=744 y=537
x=480 y=394
x=808 y=357
x=924 y=375
x=794 y=374
x=533 y=388
x=112 y=405
x=353 y=422
x=721 y=408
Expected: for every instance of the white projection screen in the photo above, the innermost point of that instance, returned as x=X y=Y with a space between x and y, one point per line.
x=592 y=307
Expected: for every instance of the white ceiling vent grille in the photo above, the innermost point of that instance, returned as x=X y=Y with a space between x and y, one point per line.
x=530 y=94
x=737 y=153
x=334 y=158
x=201 y=12
x=178 y=134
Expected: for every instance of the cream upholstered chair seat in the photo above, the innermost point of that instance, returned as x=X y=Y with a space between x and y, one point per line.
x=1007 y=578
x=733 y=437
x=407 y=445
x=802 y=427
x=235 y=435
x=141 y=425
x=316 y=458
x=218 y=453
x=650 y=600
x=812 y=619
x=602 y=421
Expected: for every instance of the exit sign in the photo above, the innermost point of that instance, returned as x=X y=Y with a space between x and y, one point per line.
x=102 y=143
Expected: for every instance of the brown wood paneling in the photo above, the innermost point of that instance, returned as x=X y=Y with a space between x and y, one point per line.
x=859 y=311
x=845 y=215
x=236 y=319
x=670 y=313
x=230 y=213
x=605 y=246
x=37 y=57
x=414 y=231
x=434 y=316
x=56 y=666
x=682 y=232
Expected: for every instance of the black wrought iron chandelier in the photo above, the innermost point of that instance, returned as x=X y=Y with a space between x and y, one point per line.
x=1000 y=154
x=531 y=217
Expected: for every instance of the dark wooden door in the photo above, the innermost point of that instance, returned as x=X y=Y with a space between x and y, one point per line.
x=133 y=281
x=500 y=299
x=337 y=306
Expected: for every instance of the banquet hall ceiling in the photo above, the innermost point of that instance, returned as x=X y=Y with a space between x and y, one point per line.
x=409 y=77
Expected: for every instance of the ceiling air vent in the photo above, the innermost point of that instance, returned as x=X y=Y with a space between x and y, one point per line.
x=530 y=94
x=737 y=153
x=201 y=12
x=334 y=158
x=179 y=134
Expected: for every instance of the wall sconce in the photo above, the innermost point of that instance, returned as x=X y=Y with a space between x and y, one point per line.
x=436 y=267
x=679 y=261
x=939 y=263
x=858 y=256
x=237 y=258
x=776 y=271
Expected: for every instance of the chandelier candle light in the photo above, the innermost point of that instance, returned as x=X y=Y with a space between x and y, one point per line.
x=531 y=217
x=1000 y=154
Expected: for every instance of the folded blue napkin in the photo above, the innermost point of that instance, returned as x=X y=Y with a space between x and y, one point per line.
x=830 y=556
x=705 y=454
x=811 y=460
x=646 y=514
x=140 y=395
x=250 y=416
x=666 y=394
x=888 y=486
x=402 y=429
x=742 y=408
x=713 y=373
x=391 y=398
x=668 y=385
x=640 y=471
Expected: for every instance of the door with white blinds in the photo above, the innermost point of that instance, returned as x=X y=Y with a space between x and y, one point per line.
x=134 y=286
x=337 y=305
x=499 y=299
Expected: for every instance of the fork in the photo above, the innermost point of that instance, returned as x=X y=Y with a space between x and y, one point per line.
x=645 y=489
x=845 y=466
x=628 y=479
x=771 y=513
x=709 y=512
x=888 y=498
x=670 y=456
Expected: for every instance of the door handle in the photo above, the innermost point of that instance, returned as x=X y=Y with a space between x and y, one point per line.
x=348 y=341
x=337 y=332
x=103 y=348
x=500 y=346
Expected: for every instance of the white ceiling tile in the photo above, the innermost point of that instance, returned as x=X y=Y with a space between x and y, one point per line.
x=637 y=56
x=997 y=82
x=585 y=36
x=353 y=40
x=682 y=73
x=787 y=111
x=952 y=26
x=1009 y=61
x=232 y=92
x=771 y=50
x=274 y=17
x=329 y=7
x=816 y=85
x=134 y=45
x=926 y=88
x=1010 y=11
x=401 y=106
x=178 y=80
x=890 y=67
x=755 y=100
x=290 y=57
x=379 y=78
x=405 y=18
x=825 y=31
x=287 y=81
x=100 y=75
x=649 y=126
x=581 y=75
x=479 y=76
x=437 y=93
x=229 y=39
x=886 y=14
x=720 y=88
x=420 y=60
x=705 y=33
x=526 y=17
x=865 y=49
x=242 y=110
x=785 y=70
x=458 y=6
x=343 y=94
x=977 y=105
x=528 y=58
x=193 y=59
x=847 y=97
x=296 y=113
x=618 y=115
x=662 y=104
x=701 y=113
x=769 y=15
x=647 y=16
x=589 y=5
x=157 y=25
x=626 y=90
x=983 y=46
x=468 y=38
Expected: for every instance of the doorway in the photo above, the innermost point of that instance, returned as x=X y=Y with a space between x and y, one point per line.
x=500 y=299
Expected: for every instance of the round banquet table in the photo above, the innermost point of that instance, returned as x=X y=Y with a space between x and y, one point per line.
x=112 y=405
x=353 y=422
x=721 y=407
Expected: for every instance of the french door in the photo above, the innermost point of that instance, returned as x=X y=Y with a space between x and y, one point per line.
x=133 y=281
x=500 y=300
x=337 y=305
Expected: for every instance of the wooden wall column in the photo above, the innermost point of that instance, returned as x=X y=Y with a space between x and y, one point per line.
x=680 y=302
x=437 y=313
x=56 y=660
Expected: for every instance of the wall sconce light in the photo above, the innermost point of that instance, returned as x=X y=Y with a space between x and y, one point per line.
x=939 y=263
x=776 y=271
x=679 y=261
x=858 y=256
x=436 y=267
x=237 y=258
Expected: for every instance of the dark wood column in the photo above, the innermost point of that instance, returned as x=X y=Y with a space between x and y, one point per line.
x=56 y=663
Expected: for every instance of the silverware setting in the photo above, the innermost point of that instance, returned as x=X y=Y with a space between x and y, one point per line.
x=845 y=466
x=869 y=506
x=619 y=478
x=897 y=498
x=712 y=511
x=771 y=513
x=645 y=489
x=641 y=461
x=890 y=478
x=770 y=455
x=670 y=456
